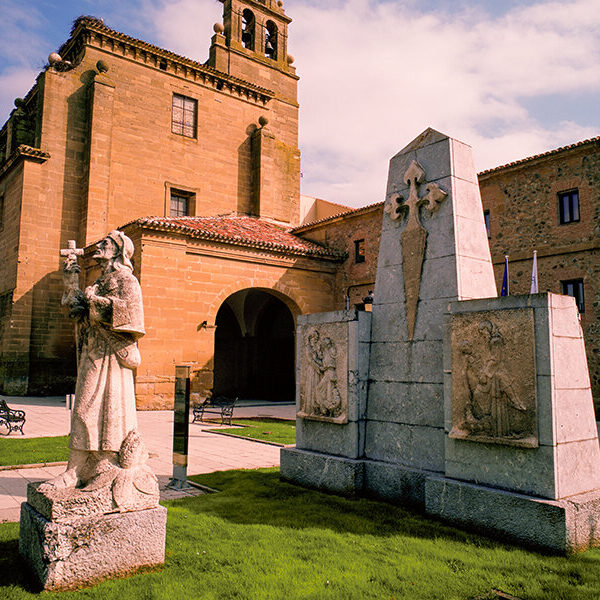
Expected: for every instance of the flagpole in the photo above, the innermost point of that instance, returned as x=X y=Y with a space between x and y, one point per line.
x=534 y=275
x=505 y=283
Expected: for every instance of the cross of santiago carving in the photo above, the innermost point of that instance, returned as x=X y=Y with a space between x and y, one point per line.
x=397 y=207
x=414 y=235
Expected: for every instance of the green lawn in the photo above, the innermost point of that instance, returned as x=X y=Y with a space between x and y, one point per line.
x=260 y=538
x=25 y=451
x=271 y=430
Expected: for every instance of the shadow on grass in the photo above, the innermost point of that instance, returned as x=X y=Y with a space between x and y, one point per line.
x=14 y=571
x=260 y=497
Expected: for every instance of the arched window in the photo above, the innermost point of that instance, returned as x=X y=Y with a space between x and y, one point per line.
x=248 y=29
x=271 y=40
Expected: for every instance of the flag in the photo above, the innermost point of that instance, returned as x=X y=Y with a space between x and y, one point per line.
x=534 y=277
x=505 y=287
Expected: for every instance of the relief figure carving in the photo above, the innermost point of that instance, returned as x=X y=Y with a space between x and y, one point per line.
x=321 y=394
x=488 y=405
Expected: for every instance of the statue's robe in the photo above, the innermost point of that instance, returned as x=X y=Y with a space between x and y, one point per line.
x=104 y=410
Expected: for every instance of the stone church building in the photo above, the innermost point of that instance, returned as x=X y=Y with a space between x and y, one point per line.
x=199 y=164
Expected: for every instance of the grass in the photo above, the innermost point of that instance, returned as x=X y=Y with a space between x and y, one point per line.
x=270 y=430
x=25 y=451
x=260 y=538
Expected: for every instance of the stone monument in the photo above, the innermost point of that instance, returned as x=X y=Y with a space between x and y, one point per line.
x=475 y=408
x=101 y=517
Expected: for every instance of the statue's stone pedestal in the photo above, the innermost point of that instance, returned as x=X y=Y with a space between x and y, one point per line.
x=67 y=553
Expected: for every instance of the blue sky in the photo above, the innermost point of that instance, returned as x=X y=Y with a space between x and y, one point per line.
x=511 y=78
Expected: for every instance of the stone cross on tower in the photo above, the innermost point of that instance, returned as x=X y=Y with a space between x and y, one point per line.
x=414 y=235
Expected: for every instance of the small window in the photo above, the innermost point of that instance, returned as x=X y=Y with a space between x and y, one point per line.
x=181 y=204
x=271 y=40
x=568 y=207
x=486 y=218
x=162 y=65
x=359 y=251
x=574 y=287
x=184 y=116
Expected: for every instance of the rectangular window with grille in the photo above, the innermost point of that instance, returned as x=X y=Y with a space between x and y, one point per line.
x=359 y=251
x=574 y=287
x=568 y=207
x=180 y=204
x=184 y=118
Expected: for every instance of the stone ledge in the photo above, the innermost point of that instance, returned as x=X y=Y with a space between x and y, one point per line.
x=66 y=505
x=563 y=526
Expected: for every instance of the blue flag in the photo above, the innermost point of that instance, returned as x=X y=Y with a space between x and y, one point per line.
x=505 y=287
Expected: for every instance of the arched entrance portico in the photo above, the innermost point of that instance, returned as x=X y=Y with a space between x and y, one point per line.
x=254 y=346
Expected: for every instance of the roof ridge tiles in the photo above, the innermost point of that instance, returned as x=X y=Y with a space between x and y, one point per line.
x=592 y=140
x=284 y=240
x=97 y=24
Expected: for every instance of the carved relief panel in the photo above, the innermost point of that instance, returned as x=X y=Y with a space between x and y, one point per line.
x=324 y=372
x=494 y=377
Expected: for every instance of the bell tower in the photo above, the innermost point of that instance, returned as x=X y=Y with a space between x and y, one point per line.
x=251 y=44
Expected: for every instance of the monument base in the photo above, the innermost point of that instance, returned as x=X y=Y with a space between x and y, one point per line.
x=350 y=477
x=565 y=526
x=322 y=471
x=84 y=551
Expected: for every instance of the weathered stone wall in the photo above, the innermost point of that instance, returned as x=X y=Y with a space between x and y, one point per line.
x=523 y=204
x=353 y=279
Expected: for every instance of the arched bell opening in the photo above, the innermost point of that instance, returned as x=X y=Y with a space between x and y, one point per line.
x=271 y=40
x=254 y=347
x=248 y=29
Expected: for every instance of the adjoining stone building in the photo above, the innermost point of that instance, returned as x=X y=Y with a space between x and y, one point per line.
x=549 y=203
x=199 y=164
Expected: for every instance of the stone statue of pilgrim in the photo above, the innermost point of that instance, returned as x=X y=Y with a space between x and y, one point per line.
x=110 y=320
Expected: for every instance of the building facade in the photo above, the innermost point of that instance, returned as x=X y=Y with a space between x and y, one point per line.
x=549 y=203
x=199 y=164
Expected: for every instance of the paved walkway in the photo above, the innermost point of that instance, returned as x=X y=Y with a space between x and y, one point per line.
x=207 y=452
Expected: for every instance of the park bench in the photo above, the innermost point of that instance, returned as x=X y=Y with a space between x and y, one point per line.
x=11 y=418
x=219 y=405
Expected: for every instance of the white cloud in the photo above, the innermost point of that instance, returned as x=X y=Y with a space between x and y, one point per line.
x=184 y=26
x=14 y=82
x=18 y=20
x=375 y=74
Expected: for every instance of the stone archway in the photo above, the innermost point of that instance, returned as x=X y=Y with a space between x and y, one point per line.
x=254 y=347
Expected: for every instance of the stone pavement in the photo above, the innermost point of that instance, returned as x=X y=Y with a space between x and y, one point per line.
x=207 y=452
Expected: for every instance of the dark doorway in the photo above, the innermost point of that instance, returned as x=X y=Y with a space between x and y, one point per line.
x=254 y=347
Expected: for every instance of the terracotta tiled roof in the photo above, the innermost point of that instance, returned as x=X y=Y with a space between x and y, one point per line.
x=594 y=140
x=346 y=213
x=241 y=231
